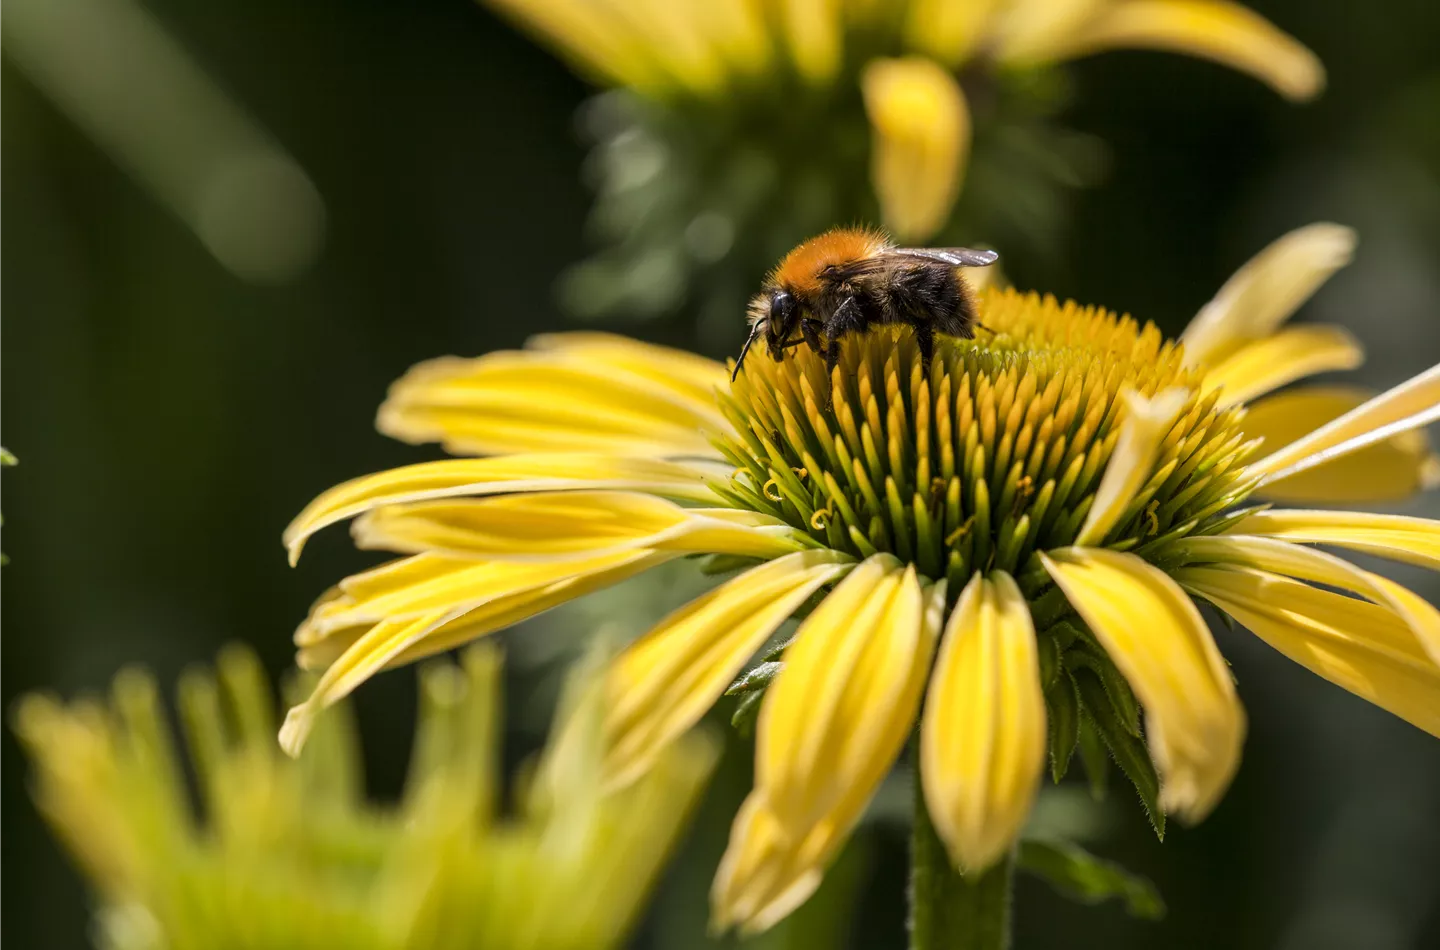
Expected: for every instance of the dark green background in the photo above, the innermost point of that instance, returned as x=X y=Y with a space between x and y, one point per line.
x=170 y=419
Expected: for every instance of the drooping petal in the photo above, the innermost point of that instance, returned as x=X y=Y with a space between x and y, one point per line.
x=397 y=613
x=1264 y=292
x=1147 y=422
x=1227 y=33
x=764 y=874
x=496 y=476
x=837 y=714
x=560 y=525
x=771 y=866
x=920 y=142
x=1410 y=405
x=1391 y=470
x=1355 y=644
x=423 y=583
x=1414 y=540
x=1157 y=639
x=608 y=396
x=982 y=738
x=1271 y=362
x=1293 y=560
x=664 y=682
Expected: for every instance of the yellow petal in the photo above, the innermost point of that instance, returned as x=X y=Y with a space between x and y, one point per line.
x=680 y=370
x=1032 y=31
x=597 y=44
x=496 y=476
x=1155 y=636
x=429 y=582
x=1410 y=405
x=1414 y=540
x=1227 y=33
x=664 y=682
x=1386 y=471
x=920 y=127
x=478 y=604
x=982 y=739
x=837 y=714
x=764 y=874
x=560 y=525
x=1355 y=644
x=772 y=866
x=1291 y=354
x=1147 y=422
x=814 y=32
x=600 y=396
x=1264 y=292
x=1293 y=560
x=945 y=30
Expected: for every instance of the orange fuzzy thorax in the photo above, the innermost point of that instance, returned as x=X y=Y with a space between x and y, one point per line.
x=800 y=269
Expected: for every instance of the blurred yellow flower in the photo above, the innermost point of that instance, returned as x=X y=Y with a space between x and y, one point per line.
x=289 y=854
x=1006 y=537
x=679 y=51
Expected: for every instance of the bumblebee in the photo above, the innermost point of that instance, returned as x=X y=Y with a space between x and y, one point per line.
x=850 y=279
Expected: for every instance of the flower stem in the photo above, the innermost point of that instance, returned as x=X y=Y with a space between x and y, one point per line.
x=948 y=910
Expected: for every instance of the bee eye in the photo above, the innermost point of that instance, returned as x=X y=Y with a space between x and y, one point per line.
x=782 y=310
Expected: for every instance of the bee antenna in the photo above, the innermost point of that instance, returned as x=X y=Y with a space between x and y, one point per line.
x=754 y=332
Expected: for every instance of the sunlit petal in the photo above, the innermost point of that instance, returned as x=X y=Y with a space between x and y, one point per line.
x=592 y=395
x=1271 y=362
x=496 y=476
x=1415 y=540
x=1391 y=470
x=1156 y=637
x=982 y=738
x=1362 y=647
x=1147 y=422
x=560 y=525
x=664 y=682
x=1264 y=292
x=1228 y=33
x=1410 y=405
x=1293 y=560
x=837 y=714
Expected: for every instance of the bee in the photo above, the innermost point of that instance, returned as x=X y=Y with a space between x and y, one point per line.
x=850 y=279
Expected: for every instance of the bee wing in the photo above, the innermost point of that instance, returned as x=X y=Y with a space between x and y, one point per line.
x=954 y=256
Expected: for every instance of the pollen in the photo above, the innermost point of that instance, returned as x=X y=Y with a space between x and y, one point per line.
x=991 y=453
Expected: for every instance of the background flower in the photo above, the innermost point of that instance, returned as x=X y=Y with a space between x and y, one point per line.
x=734 y=132
x=290 y=854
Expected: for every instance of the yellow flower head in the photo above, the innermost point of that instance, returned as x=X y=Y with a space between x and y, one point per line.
x=778 y=118
x=290 y=855
x=986 y=546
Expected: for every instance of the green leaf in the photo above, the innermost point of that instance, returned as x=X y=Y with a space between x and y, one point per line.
x=1128 y=750
x=746 y=712
x=755 y=678
x=1064 y=709
x=1096 y=758
x=1117 y=688
x=1083 y=877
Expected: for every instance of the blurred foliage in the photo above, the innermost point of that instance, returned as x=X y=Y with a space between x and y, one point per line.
x=695 y=203
x=290 y=854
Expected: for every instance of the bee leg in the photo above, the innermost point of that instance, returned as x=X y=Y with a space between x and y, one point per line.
x=811 y=330
x=925 y=340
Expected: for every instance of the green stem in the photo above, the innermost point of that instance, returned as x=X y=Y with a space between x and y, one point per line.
x=948 y=910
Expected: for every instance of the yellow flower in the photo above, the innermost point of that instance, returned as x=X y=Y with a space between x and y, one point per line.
x=983 y=545
x=906 y=55
x=291 y=855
